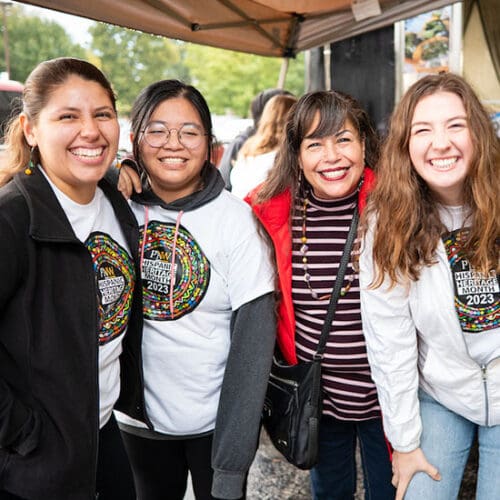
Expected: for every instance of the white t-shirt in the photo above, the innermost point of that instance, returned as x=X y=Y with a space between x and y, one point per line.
x=250 y=171
x=95 y=225
x=221 y=263
x=476 y=295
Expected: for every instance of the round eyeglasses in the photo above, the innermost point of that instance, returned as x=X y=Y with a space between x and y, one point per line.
x=157 y=134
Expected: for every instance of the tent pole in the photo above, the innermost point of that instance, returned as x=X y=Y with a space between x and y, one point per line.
x=328 y=70
x=283 y=72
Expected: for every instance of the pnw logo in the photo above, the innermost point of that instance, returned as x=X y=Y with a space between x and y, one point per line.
x=110 y=285
x=477 y=295
x=172 y=287
x=115 y=278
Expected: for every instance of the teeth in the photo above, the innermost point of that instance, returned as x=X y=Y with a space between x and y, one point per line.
x=88 y=153
x=334 y=174
x=444 y=163
x=172 y=160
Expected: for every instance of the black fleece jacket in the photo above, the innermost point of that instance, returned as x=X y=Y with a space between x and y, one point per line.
x=49 y=394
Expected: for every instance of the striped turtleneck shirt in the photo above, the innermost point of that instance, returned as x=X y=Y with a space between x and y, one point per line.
x=349 y=392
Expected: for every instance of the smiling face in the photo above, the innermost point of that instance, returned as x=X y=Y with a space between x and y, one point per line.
x=440 y=147
x=333 y=165
x=76 y=134
x=174 y=170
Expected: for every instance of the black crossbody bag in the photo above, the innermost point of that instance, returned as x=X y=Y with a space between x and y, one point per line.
x=293 y=404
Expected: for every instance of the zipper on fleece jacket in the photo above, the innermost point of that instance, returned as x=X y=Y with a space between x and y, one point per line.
x=484 y=376
x=96 y=374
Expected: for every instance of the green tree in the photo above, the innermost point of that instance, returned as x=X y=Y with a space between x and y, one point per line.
x=132 y=59
x=32 y=40
x=230 y=80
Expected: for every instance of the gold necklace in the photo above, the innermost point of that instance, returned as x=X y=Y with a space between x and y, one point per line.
x=304 y=248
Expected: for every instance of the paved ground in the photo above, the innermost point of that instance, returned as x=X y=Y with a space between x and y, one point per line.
x=273 y=478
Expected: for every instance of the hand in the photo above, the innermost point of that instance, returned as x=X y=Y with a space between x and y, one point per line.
x=406 y=465
x=128 y=181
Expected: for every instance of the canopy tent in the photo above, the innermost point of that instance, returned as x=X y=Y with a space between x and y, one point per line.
x=279 y=28
x=490 y=19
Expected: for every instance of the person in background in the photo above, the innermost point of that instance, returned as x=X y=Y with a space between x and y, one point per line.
x=232 y=149
x=209 y=321
x=256 y=156
x=68 y=296
x=430 y=289
x=307 y=203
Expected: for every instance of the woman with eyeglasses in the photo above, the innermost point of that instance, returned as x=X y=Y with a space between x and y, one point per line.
x=208 y=290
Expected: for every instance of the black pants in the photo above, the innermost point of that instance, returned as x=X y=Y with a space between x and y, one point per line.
x=114 y=480
x=8 y=496
x=161 y=466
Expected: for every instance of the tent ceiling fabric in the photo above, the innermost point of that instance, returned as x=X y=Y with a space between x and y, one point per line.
x=264 y=27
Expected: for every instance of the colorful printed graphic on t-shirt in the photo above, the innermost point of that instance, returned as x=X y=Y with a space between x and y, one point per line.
x=115 y=278
x=477 y=296
x=162 y=299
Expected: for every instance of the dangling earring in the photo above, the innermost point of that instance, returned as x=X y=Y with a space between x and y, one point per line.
x=300 y=188
x=29 y=169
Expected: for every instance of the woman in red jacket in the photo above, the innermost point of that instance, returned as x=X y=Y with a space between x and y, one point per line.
x=307 y=203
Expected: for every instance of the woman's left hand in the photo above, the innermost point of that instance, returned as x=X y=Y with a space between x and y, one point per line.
x=405 y=465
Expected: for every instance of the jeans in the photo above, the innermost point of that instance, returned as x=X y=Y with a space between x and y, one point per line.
x=446 y=442
x=334 y=477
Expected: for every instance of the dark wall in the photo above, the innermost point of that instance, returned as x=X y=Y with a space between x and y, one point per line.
x=363 y=66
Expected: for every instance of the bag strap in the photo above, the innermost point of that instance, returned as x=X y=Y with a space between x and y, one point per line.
x=339 y=280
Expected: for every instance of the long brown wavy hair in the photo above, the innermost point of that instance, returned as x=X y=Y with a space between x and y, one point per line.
x=408 y=227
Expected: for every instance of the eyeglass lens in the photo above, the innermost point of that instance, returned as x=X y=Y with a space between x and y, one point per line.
x=157 y=135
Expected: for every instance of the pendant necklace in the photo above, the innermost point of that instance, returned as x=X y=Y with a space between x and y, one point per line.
x=303 y=251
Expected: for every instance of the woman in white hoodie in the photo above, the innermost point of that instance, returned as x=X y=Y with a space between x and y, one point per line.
x=430 y=289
